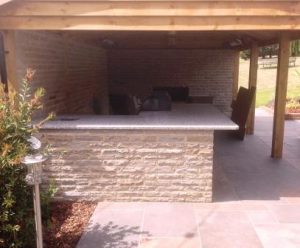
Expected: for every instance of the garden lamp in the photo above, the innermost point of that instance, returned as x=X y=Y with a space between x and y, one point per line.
x=34 y=178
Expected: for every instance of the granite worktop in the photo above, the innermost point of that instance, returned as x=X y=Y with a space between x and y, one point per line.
x=182 y=117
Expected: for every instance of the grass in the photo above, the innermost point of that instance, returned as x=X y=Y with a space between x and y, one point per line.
x=266 y=80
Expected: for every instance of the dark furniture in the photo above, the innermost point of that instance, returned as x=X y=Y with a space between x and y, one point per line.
x=200 y=99
x=241 y=108
x=96 y=105
x=177 y=94
x=122 y=104
x=159 y=101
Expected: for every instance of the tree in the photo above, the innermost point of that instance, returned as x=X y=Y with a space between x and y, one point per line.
x=295 y=48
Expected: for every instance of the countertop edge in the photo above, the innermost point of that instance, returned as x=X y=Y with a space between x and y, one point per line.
x=142 y=128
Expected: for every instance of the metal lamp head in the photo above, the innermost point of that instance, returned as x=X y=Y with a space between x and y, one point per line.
x=35 y=143
x=34 y=163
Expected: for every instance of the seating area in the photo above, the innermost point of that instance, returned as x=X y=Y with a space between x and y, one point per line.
x=160 y=100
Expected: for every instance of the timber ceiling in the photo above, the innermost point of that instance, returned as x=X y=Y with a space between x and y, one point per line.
x=152 y=15
x=180 y=39
x=159 y=23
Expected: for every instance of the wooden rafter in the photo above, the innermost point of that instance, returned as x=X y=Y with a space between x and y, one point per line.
x=157 y=0
x=154 y=8
x=151 y=15
x=150 y=23
x=183 y=40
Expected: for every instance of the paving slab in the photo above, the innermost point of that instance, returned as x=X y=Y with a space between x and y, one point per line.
x=170 y=220
x=286 y=213
x=256 y=202
x=279 y=235
x=171 y=243
x=227 y=229
x=113 y=228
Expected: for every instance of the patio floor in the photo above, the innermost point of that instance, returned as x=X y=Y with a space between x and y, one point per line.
x=256 y=202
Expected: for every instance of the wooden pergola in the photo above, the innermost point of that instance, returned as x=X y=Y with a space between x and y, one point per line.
x=196 y=24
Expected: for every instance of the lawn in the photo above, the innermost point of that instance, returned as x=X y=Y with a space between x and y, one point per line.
x=266 y=82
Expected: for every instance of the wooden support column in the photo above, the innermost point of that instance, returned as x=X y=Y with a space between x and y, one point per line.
x=280 y=97
x=3 y=74
x=10 y=59
x=254 y=53
x=236 y=68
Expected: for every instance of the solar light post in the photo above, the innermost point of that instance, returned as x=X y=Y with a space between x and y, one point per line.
x=34 y=178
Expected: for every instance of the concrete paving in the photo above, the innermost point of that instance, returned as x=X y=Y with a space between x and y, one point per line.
x=256 y=202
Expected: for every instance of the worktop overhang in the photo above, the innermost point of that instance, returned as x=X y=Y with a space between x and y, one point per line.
x=181 y=117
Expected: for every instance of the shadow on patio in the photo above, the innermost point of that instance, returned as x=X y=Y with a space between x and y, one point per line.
x=111 y=235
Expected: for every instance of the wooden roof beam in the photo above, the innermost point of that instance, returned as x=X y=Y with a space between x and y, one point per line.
x=154 y=8
x=151 y=23
x=153 y=0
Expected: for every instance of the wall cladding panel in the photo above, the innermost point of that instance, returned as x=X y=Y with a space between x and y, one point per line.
x=72 y=72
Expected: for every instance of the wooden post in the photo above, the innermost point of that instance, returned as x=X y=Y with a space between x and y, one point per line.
x=252 y=83
x=10 y=57
x=280 y=97
x=3 y=74
x=235 y=86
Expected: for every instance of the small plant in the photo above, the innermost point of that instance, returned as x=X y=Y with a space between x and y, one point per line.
x=293 y=105
x=16 y=215
x=46 y=197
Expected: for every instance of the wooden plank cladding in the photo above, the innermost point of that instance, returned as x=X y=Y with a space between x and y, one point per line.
x=156 y=8
x=150 y=23
x=151 y=15
x=89 y=1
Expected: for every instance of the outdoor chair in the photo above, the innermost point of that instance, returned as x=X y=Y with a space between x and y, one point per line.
x=122 y=104
x=241 y=108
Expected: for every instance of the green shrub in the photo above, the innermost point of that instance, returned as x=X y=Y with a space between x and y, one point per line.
x=245 y=54
x=293 y=104
x=16 y=215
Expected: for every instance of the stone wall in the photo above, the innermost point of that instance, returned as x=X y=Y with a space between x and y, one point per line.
x=205 y=72
x=71 y=71
x=131 y=165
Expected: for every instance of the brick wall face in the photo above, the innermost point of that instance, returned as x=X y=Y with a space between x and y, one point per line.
x=70 y=71
x=206 y=72
x=131 y=165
